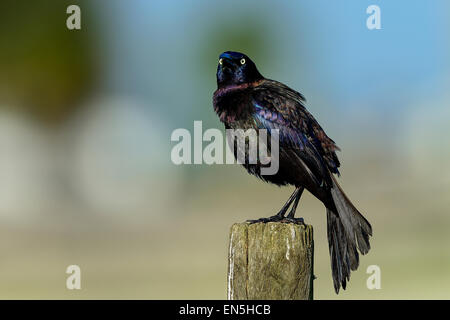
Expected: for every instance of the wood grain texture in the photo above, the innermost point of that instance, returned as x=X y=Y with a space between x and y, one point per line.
x=270 y=261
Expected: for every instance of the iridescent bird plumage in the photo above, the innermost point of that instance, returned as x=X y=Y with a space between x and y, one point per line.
x=244 y=99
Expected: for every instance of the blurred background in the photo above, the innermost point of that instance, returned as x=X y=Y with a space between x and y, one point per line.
x=86 y=118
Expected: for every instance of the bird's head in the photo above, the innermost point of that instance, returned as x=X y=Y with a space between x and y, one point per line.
x=236 y=68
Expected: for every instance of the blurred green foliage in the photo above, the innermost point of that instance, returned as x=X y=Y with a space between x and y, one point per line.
x=45 y=68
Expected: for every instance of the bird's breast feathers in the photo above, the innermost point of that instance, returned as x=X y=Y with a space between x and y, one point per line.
x=268 y=104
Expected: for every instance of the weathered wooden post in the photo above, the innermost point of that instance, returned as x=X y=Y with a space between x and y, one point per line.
x=270 y=261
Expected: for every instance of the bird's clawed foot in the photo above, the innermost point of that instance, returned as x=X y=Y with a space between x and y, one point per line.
x=275 y=218
x=280 y=216
x=294 y=220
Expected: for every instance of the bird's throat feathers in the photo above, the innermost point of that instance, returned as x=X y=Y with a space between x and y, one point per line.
x=232 y=101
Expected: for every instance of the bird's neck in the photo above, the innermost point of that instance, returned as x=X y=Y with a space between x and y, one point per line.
x=227 y=89
x=231 y=102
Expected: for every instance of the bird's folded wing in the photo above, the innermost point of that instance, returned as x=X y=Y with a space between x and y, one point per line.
x=277 y=105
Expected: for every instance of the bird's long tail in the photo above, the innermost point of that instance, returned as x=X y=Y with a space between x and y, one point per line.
x=348 y=232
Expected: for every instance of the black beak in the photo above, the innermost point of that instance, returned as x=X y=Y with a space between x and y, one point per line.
x=227 y=65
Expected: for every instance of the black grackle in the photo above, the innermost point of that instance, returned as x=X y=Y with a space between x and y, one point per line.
x=245 y=100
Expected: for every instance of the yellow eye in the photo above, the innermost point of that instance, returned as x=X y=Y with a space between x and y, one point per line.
x=242 y=61
x=220 y=61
